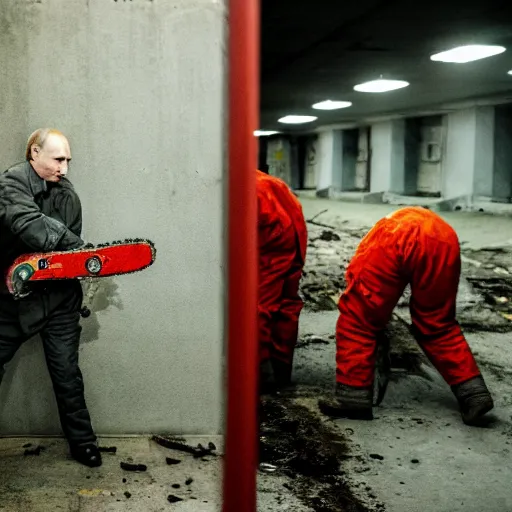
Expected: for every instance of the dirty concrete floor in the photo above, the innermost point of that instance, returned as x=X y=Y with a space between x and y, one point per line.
x=52 y=481
x=417 y=455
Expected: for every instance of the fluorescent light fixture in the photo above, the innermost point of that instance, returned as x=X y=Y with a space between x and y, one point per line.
x=332 y=105
x=381 y=85
x=264 y=133
x=297 y=119
x=510 y=72
x=468 y=53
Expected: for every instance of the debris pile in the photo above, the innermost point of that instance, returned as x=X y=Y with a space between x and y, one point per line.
x=329 y=252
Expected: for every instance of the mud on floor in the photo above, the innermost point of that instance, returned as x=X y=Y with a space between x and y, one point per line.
x=311 y=454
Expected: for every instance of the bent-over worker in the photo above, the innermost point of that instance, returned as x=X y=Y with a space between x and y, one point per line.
x=412 y=246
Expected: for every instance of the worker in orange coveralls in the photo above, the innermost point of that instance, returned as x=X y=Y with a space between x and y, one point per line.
x=282 y=242
x=412 y=245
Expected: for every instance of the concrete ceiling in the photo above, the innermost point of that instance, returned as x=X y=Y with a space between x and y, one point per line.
x=313 y=51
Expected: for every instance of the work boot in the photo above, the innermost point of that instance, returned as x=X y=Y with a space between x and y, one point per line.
x=87 y=454
x=282 y=373
x=349 y=402
x=474 y=399
x=267 y=383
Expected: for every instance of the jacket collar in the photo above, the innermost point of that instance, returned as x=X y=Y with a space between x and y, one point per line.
x=37 y=184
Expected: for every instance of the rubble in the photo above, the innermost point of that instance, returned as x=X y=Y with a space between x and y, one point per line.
x=127 y=466
x=107 y=449
x=33 y=451
x=176 y=443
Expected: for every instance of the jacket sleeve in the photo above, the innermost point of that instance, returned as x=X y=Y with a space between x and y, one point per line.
x=69 y=209
x=20 y=213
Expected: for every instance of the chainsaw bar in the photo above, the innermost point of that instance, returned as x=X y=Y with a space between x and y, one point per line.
x=89 y=261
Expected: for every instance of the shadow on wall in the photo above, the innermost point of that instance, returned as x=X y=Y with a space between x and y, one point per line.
x=99 y=295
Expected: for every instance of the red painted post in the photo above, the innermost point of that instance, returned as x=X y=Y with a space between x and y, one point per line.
x=241 y=459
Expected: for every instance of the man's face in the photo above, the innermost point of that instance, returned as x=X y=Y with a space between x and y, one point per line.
x=52 y=160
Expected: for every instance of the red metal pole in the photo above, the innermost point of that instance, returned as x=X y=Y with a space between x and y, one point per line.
x=241 y=429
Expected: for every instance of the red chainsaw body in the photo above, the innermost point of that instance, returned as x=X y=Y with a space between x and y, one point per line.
x=103 y=261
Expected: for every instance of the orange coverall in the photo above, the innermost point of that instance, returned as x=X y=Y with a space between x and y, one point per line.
x=412 y=245
x=282 y=241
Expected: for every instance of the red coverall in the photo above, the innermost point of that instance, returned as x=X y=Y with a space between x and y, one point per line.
x=412 y=245
x=282 y=241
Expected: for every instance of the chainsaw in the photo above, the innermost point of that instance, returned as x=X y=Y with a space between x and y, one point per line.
x=89 y=261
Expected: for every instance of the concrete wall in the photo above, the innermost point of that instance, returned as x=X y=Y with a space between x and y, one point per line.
x=138 y=88
x=279 y=158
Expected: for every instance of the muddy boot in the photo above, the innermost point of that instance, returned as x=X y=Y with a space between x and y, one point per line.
x=282 y=373
x=349 y=402
x=474 y=399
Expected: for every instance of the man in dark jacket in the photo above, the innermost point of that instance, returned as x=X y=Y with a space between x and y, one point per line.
x=41 y=212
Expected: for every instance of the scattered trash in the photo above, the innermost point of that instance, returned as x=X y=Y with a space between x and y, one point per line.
x=173 y=499
x=188 y=481
x=124 y=480
x=108 y=449
x=133 y=467
x=415 y=461
x=376 y=456
x=312 y=339
x=329 y=236
x=171 y=461
x=127 y=494
x=267 y=468
x=36 y=451
x=174 y=443
x=94 y=492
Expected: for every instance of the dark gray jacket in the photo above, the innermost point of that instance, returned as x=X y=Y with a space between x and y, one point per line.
x=36 y=215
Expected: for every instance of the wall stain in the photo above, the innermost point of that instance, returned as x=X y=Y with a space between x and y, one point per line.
x=99 y=295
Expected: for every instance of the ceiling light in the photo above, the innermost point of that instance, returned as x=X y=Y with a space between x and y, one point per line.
x=381 y=85
x=468 y=53
x=297 y=119
x=264 y=133
x=510 y=72
x=332 y=105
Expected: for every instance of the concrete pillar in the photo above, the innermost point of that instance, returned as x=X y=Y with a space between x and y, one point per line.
x=138 y=87
x=329 y=155
x=469 y=160
x=336 y=157
x=388 y=157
